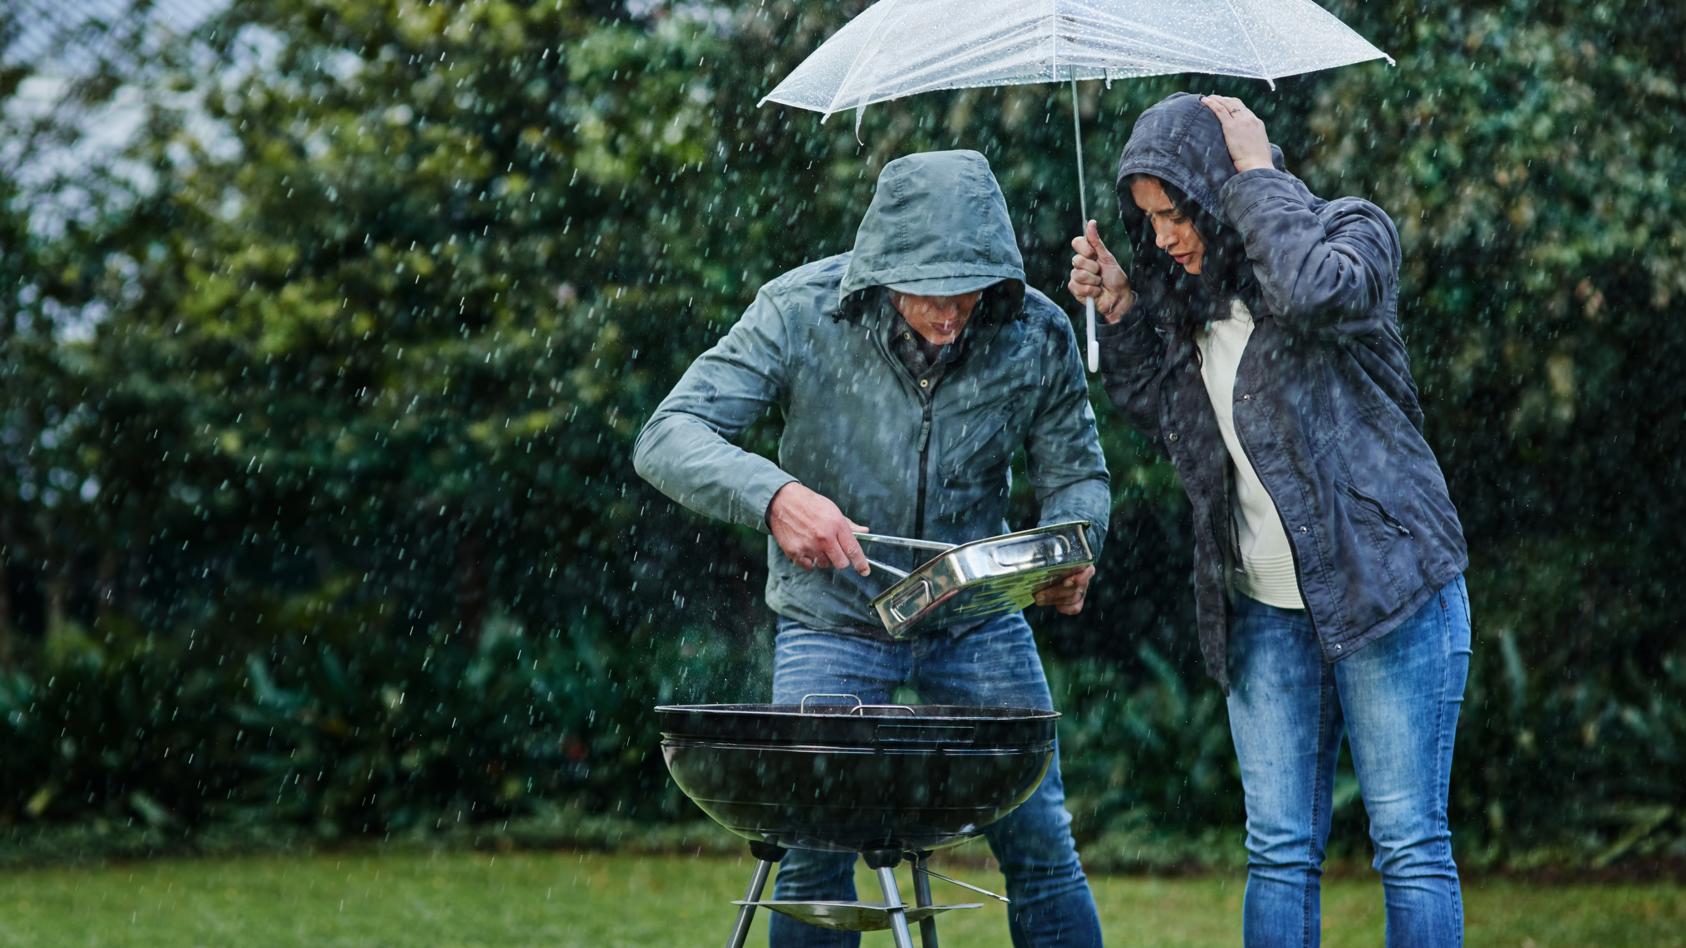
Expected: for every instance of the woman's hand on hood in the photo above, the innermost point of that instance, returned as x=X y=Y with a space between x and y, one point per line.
x=1097 y=275
x=1244 y=132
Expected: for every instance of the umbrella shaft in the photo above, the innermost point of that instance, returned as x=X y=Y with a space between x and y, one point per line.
x=1077 y=133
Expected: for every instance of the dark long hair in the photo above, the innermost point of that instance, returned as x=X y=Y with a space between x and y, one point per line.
x=1180 y=300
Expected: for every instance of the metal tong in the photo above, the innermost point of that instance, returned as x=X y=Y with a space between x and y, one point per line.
x=907 y=543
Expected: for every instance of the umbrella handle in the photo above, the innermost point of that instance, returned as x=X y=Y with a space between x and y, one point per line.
x=1094 y=345
x=1094 y=349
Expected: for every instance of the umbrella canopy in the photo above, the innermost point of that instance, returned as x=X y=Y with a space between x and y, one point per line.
x=899 y=48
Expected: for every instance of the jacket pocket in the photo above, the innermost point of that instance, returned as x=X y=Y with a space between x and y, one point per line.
x=1375 y=506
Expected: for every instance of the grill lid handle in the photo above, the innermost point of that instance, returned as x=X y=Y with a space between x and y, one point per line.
x=802 y=708
x=857 y=708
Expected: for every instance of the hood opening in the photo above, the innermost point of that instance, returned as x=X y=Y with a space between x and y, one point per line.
x=935 y=216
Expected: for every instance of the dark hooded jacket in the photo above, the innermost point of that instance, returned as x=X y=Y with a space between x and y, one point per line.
x=1324 y=403
x=857 y=428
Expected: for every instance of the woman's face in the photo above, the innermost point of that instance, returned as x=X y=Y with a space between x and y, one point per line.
x=1172 y=231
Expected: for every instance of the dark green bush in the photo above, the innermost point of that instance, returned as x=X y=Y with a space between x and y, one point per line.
x=367 y=735
x=144 y=737
x=1155 y=748
x=548 y=738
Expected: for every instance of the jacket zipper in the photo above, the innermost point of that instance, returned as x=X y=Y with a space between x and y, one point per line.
x=927 y=399
x=924 y=463
x=1293 y=551
x=1376 y=507
x=897 y=370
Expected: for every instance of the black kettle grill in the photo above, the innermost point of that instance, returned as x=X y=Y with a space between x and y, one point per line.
x=880 y=780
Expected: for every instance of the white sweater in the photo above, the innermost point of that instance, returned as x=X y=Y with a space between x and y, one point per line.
x=1266 y=571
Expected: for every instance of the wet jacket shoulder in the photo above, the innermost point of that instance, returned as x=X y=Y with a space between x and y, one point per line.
x=685 y=449
x=1323 y=266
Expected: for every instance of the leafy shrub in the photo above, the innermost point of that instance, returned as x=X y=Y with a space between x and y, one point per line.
x=142 y=737
x=366 y=735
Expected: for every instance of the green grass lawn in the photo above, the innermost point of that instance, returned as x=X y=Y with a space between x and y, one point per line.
x=600 y=900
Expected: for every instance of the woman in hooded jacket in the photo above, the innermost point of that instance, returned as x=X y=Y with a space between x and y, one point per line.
x=1255 y=340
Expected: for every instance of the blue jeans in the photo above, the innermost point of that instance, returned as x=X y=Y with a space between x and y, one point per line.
x=994 y=665
x=1396 y=701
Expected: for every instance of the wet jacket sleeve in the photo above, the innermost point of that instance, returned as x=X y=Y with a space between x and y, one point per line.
x=1063 y=456
x=1131 y=354
x=1324 y=267
x=686 y=448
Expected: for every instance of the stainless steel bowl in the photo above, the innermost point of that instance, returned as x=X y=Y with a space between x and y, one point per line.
x=979 y=579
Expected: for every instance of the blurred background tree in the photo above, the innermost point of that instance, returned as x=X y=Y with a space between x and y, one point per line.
x=322 y=379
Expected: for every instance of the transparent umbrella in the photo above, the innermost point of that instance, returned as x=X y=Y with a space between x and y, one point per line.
x=898 y=48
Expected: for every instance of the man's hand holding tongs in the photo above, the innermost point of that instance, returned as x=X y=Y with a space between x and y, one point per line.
x=813 y=532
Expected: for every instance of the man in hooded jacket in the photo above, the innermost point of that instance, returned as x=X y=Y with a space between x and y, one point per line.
x=908 y=371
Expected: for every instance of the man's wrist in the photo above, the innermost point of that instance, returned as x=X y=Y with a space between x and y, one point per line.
x=773 y=500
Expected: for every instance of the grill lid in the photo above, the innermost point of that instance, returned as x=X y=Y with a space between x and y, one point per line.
x=818 y=720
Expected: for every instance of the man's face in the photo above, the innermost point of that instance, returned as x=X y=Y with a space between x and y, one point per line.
x=1172 y=231
x=938 y=319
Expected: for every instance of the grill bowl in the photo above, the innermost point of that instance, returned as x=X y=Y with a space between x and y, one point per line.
x=847 y=779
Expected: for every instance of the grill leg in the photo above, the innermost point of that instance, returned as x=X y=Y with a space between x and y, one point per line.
x=883 y=862
x=922 y=897
x=898 y=911
x=765 y=855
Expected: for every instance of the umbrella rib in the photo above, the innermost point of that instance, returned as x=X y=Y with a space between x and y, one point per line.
x=1143 y=59
x=1263 y=72
x=860 y=57
x=1053 y=40
x=1169 y=39
x=909 y=79
x=1009 y=38
x=984 y=76
x=1189 y=56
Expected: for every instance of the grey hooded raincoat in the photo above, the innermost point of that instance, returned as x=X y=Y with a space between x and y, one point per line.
x=931 y=463
x=1324 y=401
